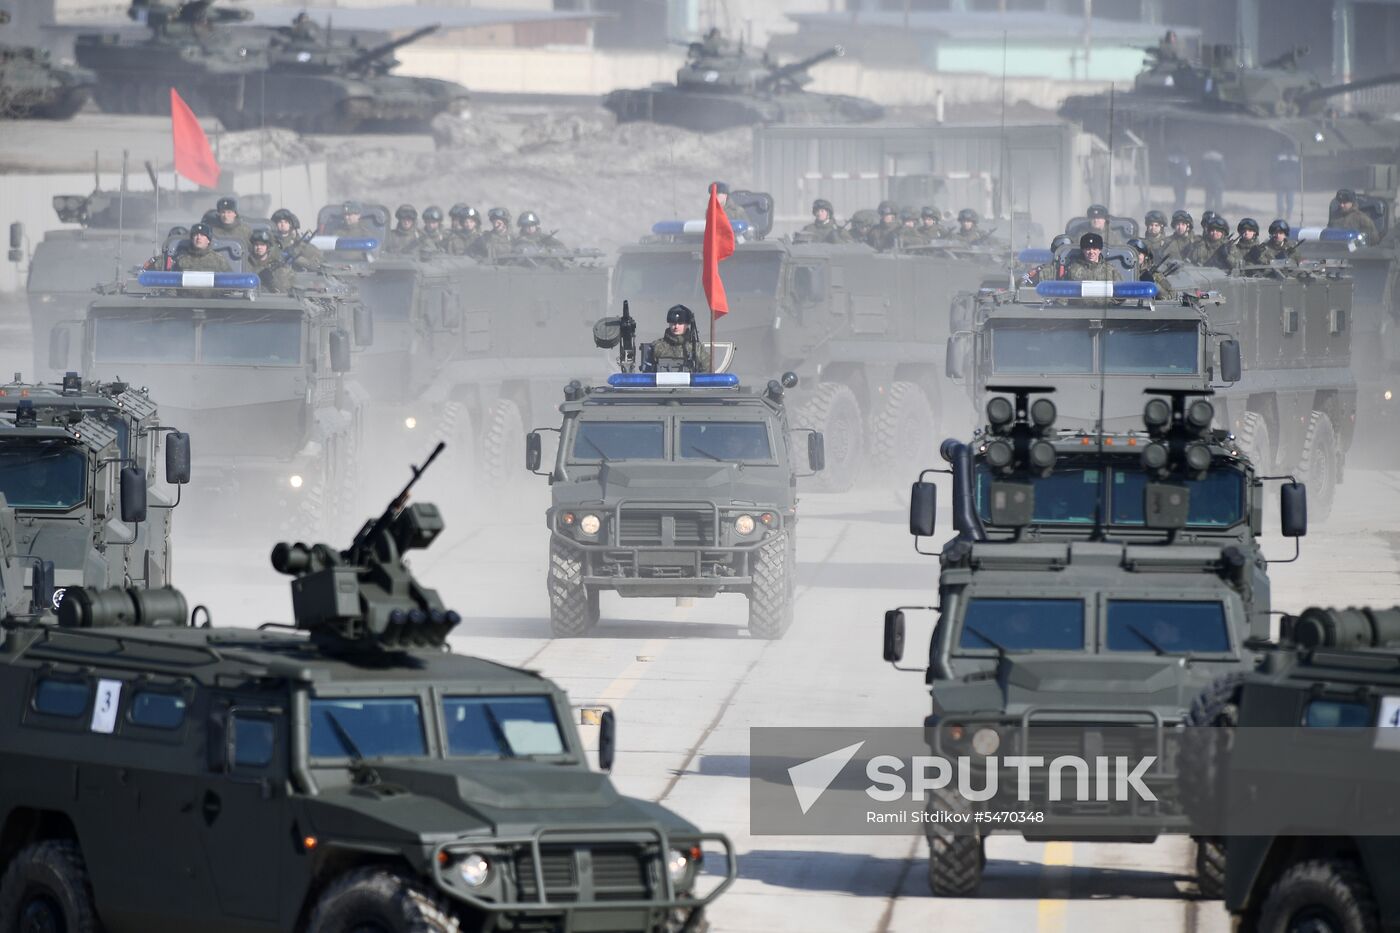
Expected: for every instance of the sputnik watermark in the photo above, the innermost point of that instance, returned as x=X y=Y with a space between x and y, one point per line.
x=1102 y=778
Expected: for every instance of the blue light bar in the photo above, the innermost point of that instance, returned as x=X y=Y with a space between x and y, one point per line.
x=655 y=380
x=681 y=227
x=1065 y=289
x=1035 y=256
x=1329 y=234
x=349 y=244
x=240 y=280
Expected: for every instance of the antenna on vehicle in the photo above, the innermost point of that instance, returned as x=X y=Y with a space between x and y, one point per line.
x=155 y=186
x=121 y=216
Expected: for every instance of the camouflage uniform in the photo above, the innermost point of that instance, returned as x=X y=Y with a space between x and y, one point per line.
x=1082 y=270
x=882 y=236
x=1215 y=254
x=495 y=242
x=1158 y=244
x=1356 y=219
x=297 y=252
x=1269 y=251
x=434 y=242
x=201 y=260
x=358 y=229
x=968 y=236
x=824 y=232
x=1165 y=292
x=467 y=243
x=276 y=275
x=673 y=354
x=540 y=239
x=1241 y=250
x=402 y=241
x=1178 y=246
x=237 y=230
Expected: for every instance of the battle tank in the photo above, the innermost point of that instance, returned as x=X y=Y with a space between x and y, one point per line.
x=32 y=85
x=720 y=85
x=1189 y=107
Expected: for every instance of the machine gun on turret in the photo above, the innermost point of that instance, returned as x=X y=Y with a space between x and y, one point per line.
x=365 y=598
x=375 y=58
x=794 y=73
x=620 y=332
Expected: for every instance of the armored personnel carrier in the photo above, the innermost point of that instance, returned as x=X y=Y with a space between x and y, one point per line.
x=345 y=772
x=78 y=473
x=1215 y=104
x=33 y=85
x=1098 y=581
x=721 y=86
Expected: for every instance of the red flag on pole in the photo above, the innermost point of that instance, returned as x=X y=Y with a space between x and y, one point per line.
x=719 y=245
x=193 y=157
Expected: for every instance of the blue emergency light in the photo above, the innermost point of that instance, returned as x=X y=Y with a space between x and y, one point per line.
x=697 y=227
x=655 y=380
x=240 y=280
x=1067 y=289
x=1035 y=257
x=348 y=244
x=1330 y=234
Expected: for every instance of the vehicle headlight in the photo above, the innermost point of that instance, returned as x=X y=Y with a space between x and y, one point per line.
x=677 y=862
x=985 y=742
x=590 y=524
x=410 y=422
x=1388 y=395
x=744 y=524
x=295 y=480
x=474 y=869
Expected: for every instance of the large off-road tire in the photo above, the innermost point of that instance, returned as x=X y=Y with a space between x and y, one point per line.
x=1205 y=745
x=503 y=444
x=955 y=860
x=46 y=888
x=455 y=428
x=1320 y=894
x=573 y=609
x=381 y=900
x=1254 y=439
x=834 y=411
x=770 y=597
x=1210 y=868
x=904 y=430
x=1318 y=466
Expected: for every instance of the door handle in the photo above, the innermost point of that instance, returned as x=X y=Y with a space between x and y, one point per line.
x=212 y=806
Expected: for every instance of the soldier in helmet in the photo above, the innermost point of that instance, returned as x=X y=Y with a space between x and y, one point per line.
x=1060 y=246
x=405 y=237
x=352 y=222
x=1213 y=249
x=287 y=239
x=1246 y=241
x=968 y=231
x=1181 y=245
x=497 y=239
x=530 y=233
x=929 y=224
x=862 y=222
x=908 y=235
x=1154 y=227
x=1150 y=272
x=731 y=210
x=433 y=237
x=823 y=228
x=1090 y=266
x=1348 y=217
x=227 y=225
x=199 y=257
x=465 y=239
x=276 y=275
x=1277 y=247
x=882 y=234
x=680 y=349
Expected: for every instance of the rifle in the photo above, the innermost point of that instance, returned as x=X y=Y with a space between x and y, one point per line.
x=627 y=346
x=359 y=550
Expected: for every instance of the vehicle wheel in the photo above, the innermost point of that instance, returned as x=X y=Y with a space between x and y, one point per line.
x=46 y=890
x=379 y=900
x=503 y=444
x=1316 y=895
x=1318 y=465
x=1205 y=745
x=1256 y=443
x=770 y=598
x=1210 y=868
x=904 y=432
x=955 y=860
x=835 y=412
x=573 y=609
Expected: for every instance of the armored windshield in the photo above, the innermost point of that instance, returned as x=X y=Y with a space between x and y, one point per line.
x=183 y=335
x=251 y=338
x=1023 y=624
x=1123 y=347
x=1071 y=496
x=1166 y=626
x=367 y=727
x=1041 y=347
x=1150 y=347
x=42 y=474
x=388 y=293
x=725 y=440
x=501 y=726
x=145 y=337
x=619 y=440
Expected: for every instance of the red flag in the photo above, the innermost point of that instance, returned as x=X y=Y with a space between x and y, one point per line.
x=193 y=157
x=719 y=246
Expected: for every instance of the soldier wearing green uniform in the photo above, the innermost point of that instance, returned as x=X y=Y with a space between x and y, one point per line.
x=929 y=225
x=199 y=257
x=404 y=238
x=1090 y=266
x=352 y=223
x=1149 y=272
x=274 y=273
x=1349 y=217
x=822 y=229
x=731 y=210
x=498 y=238
x=862 y=222
x=1154 y=227
x=1098 y=223
x=227 y=225
x=465 y=239
x=882 y=235
x=1246 y=242
x=530 y=233
x=679 y=350
x=432 y=238
x=968 y=230
x=286 y=238
x=1277 y=247
x=1181 y=244
x=1213 y=249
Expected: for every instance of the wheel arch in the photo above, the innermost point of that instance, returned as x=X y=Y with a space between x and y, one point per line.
x=26 y=825
x=337 y=862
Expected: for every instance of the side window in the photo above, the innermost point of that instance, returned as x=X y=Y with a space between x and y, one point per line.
x=253 y=740
x=68 y=698
x=156 y=710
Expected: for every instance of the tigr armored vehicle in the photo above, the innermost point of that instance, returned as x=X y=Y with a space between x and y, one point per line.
x=1097 y=582
x=33 y=85
x=722 y=86
x=78 y=471
x=1253 y=113
x=673 y=484
x=263 y=380
x=348 y=772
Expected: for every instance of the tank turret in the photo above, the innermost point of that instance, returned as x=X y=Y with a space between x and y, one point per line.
x=33 y=85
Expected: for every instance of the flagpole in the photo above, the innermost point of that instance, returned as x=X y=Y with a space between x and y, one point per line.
x=712 y=337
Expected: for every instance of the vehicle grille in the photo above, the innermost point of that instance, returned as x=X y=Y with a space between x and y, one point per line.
x=1133 y=742
x=619 y=873
x=560 y=874
x=646 y=528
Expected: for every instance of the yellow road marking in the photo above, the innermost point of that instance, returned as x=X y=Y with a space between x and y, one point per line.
x=1051 y=911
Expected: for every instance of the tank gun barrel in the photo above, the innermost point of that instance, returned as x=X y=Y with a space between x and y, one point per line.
x=1305 y=98
x=376 y=53
x=782 y=73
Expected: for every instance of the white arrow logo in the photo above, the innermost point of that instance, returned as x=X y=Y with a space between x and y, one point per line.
x=811 y=778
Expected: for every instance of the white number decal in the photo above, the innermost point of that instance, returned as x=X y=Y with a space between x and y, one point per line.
x=104 y=709
x=1388 y=719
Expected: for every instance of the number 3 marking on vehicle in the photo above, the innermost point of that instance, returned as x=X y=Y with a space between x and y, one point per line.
x=104 y=711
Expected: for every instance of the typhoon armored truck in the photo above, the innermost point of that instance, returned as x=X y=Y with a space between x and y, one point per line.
x=345 y=773
x=1097 y=582
x=78 y=471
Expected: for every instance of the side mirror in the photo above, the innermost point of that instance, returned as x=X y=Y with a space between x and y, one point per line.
x=607 y=740
x=923 y=509
x=894 y=635
x=177 y=458
x=16 y=242
x=816 y=452
x=364 y=325
x=1231 y=365
x=953 y=360
x=41 y=586
x=59 y=341
x=133 y=486
x=532 y=451
x=340 y=351
x=1293 y=509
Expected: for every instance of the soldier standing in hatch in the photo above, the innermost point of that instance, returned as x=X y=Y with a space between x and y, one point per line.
x=227 y=225
x=1348 y=217
x=732 y=211
x=1097 y=215
x=680 y=350
x=286 y=238
x=1090 y=266
x=199 y=257
x=498 y=238
x=862 y=222
x=530 y=233
x=1154 y=227
x=1277 y=246
x=275 y=275
x=1246 y=242
x=968 y=230
x=433 y=237
x=404 y=238
x=353 y=223
x=882 y=235
x=466 y=231
x=929 y=224
x=1181 y=245
x=908 y=235
x=1213 y=249
x=823 y=228
x=1149 y=272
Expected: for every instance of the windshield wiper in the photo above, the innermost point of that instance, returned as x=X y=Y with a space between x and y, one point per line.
x=1001 y=649
x=1148 y=641
x=589 y=441
x=497 y=732
x=359 y=768
x=705 y=453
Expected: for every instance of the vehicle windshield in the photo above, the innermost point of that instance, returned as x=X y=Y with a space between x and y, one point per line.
x=367 y=727
x=1217 y=501
x=501 y=726
x=42 y=474
x=1023 y=624
x=389 y=294
x=619 y=440
x=144 y=337
x=1041 y=347
x=1150 y=347
x=1070 y=496
x=675 y=277
x=252 y=338
x=1166 y=626
x=725 y=440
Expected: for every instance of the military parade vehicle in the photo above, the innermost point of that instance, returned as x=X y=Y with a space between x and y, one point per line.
x=32 y=84
x=672 y=484
x=78 y=471
x=263 y=379
x=347 y=772
x=721 y=86
x=1254 y=113
x=1097 y=582
x=852 y=323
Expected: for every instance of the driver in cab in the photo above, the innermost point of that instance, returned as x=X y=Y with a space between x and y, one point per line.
x=679 y=350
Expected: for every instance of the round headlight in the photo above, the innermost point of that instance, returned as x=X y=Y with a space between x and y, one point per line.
x=295 y=480
x=676 y=864
x=986 y=741
x=1389 y=395
x=410 y=422
x=590 y=524
x=474 y=869
x=744 y=524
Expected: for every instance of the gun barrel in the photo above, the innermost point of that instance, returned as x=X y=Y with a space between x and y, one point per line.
x=384 y=48
x=803 y=64
x=1304 y=98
